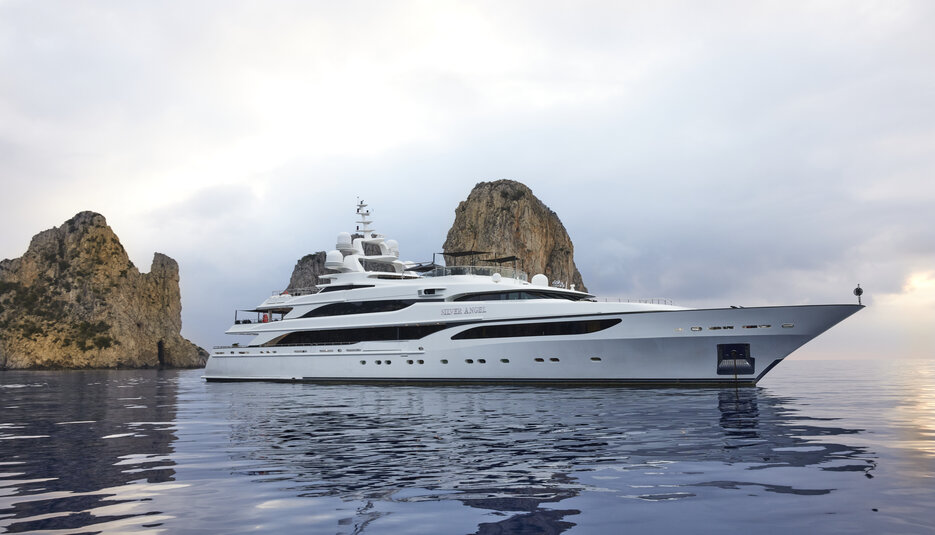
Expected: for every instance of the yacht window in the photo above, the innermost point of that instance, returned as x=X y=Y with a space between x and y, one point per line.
x=482 y=361
x=363 y=334
x=345 y=287
x=556 y=328
x=505 y=361
x=358 y=307
x=515 y=295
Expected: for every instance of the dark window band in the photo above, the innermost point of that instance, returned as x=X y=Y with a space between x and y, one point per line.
x=554 y=328
x=415 y=332
x=515 y=295
x=358 y=307
x=365 y=334
x=345 y=287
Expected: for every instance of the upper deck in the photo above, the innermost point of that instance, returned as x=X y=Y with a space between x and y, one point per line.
x=486 y=271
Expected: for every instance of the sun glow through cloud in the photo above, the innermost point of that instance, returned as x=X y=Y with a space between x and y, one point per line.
x=917 y=300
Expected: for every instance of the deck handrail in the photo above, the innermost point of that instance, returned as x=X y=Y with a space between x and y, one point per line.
x=289 y=345
x=504 y=271
x=298 y=291
x=641 y=300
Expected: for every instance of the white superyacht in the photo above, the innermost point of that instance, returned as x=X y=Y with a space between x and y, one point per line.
x=412 y=323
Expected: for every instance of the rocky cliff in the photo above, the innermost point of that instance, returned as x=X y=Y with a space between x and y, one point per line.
x=74 y=300
x=306 y=272
x=505 y=218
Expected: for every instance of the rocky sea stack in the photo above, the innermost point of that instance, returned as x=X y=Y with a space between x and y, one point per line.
x=306 y=272
x=504 y=218
x=74 y=300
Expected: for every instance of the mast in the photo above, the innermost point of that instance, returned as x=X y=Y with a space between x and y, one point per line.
x=364 y=220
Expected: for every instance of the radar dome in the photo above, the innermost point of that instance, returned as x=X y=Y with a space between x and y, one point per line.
x=540 y=280
x=393 y=246
x=334 y=260
x=344 y=241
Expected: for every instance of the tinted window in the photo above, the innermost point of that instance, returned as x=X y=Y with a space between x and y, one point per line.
x=515 y=294
x=345 y=287
x=358 y=307
x=556 y=328
x=365 y=334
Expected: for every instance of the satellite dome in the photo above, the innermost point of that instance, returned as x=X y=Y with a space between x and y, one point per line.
x=344 y=241
x=540 y=280
x=334 y=260
x=393 y=246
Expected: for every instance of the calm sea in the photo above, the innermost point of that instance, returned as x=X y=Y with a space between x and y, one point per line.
x=818 y=447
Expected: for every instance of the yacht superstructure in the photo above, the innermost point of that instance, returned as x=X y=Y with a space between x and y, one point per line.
x=377 y=318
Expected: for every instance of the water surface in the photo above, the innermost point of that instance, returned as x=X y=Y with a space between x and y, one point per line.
x=819 y=446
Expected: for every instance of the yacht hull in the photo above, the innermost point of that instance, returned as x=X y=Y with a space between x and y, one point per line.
x=713 y=347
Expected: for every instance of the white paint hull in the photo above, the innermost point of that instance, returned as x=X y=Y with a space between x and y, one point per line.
x=651 y=347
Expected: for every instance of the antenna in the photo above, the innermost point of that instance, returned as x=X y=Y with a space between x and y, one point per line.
x=364 y=221
x=858 y=291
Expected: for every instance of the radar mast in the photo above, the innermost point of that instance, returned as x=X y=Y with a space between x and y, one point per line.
x=364 y=220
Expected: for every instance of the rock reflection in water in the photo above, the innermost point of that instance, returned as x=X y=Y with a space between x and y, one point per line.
x=72 y=442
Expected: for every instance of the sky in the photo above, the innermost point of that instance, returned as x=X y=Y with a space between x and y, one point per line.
x=713 y=153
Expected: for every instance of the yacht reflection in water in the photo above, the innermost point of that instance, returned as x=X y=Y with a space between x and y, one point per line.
x=519 y=453
x=119 y=452
x=779 y=437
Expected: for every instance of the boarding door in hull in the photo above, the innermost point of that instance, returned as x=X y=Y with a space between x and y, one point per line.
x=734 y=359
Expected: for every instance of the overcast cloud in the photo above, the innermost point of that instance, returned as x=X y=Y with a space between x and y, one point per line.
x=714 y=153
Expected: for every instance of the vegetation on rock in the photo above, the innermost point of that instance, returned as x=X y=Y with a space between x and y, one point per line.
x=74 y=300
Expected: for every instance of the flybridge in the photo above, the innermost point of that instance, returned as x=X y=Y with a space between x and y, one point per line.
x=485 y=271
x=350 y=252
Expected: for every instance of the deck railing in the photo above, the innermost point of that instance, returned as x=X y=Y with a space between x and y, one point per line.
x=643 y=300
x=255 y=316
x=297 y=291
x=311 y=344
x=504 y=271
